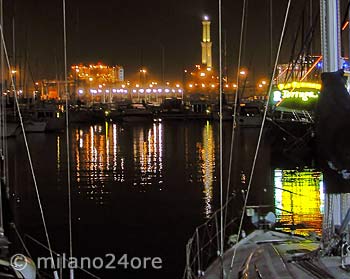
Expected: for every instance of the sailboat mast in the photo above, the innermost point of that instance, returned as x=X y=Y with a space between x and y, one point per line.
x=336 y=204
x=2 y=122
x=221 y=141
x=71 y=271
x=330 y=35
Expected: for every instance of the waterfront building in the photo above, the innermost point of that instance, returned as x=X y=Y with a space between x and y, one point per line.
x=96 y=74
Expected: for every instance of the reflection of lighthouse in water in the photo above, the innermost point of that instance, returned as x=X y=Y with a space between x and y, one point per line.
x=207 y=166
x=206 y=43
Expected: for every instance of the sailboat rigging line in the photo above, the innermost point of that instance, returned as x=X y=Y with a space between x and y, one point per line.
x=220 y=140
x=14 y=227
x=27 y=149
x=235 y=105
x=261 y=131
x=67 y=138
x=4 y=173
x=21 y=240
x=306 y=45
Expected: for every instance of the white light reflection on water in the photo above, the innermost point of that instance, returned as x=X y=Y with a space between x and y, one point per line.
x=100 y=154
x=148 y=153
x=97 y=160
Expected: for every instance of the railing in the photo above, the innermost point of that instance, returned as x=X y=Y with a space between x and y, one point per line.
x=301 y=116
x=60 y=260
x=204 y=246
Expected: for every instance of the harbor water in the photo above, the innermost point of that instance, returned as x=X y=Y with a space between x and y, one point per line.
x=138 y=189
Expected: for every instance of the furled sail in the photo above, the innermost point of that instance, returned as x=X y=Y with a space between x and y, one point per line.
x=333 y=131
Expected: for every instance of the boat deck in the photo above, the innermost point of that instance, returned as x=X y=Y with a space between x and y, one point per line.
x=269 y=254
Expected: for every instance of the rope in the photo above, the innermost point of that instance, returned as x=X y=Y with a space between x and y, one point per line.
x=261 y=131
x=67 y=139
x=27 y=149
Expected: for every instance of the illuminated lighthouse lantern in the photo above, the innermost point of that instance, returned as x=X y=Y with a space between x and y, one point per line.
x=206 y=43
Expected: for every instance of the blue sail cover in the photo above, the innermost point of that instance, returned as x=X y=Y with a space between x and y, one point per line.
x=333 y=132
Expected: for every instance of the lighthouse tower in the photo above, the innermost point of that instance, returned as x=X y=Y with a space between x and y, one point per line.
x=206 y=43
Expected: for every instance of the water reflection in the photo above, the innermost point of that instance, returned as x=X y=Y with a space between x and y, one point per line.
x=93 y=164
x=148 y=157
x=58 y=155
x=299 y=199
x=99 y=157
x=110 y=153
x=206 y=151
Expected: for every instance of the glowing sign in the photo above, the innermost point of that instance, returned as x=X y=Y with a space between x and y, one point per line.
x=286 y=94
x=296 y=84
x=296 y=95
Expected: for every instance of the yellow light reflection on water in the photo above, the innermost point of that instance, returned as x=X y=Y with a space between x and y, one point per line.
x=299 y=199
x=58 y=147
x=207 y=166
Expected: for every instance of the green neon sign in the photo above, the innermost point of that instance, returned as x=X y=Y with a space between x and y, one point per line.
x=280 y=95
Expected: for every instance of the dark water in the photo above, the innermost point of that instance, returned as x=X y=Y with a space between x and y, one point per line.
x=137 y=189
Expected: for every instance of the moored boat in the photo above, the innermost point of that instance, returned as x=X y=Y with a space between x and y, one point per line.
x=267 y=253
x=136 y=113
x=249 y=115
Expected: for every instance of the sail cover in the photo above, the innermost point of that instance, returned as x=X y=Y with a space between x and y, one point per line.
x=333 y=131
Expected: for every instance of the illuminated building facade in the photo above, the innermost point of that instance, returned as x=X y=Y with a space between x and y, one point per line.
x=206 y=43
x=97 y=74
x=101 y=83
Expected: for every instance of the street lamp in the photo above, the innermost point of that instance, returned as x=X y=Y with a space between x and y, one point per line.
x=92 y=96
x=240 y=87
x=143 y=72
x=243 y=72
x=13 y=80
x=142 y=80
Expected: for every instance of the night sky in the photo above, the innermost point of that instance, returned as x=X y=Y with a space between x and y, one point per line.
x=133 y=33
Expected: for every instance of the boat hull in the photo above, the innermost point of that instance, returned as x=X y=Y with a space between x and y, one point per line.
x=35 y=126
